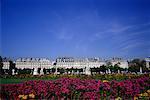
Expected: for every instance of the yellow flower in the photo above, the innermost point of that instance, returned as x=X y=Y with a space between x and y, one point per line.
x=145 y=94
x=105 y=81
x=135 y=98
x=32 y=95
x=25 y=97
x=20 y=96
x=118 y=98
x=148 y=91
x=141 y=95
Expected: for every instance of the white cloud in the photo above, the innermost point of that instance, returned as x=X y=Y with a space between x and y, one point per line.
x=131 y=46
x=119 y=31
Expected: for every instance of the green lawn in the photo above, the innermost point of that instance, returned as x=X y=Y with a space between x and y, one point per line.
x=19 y=80
x=10 y=81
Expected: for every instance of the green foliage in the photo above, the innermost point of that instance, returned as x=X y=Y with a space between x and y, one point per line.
x=24 y=71
x=134 y=66
x=103 y=68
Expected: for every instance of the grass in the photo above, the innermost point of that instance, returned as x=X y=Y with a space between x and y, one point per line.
x=11 y=81
x=19 y=80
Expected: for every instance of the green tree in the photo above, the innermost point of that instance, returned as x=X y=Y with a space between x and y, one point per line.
x=1 y=61
x=61 y=70
x=135 y=64
x=103 y=68
x=116 y=68
x=11 y=67
x=39 y=70
x=1 y=66
x=109 y=63
x=111 y=68
x=44 y=70
x=53 y=70
x=92 y=70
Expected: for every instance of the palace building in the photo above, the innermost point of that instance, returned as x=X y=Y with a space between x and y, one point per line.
x=120 y=62
x=147 y=62
x=84 y=64
x=79 y=63
x=31 y=63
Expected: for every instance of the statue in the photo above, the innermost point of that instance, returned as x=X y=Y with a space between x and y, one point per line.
x=35 y=71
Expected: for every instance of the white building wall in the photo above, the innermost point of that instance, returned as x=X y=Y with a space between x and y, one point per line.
x=122 y=64
x=78 y=63
x=6 y=65
x=147 y=62
x=85 y=64
x=34 y=63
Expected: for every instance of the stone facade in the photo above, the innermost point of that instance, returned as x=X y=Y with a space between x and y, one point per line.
x=147 y=62
x=84 y=64
x=31 y=63
x=66 y=62
x=80 y=63
x=6 y=64
x=120 y=62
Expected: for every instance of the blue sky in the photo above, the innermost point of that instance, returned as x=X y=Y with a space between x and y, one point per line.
x=78 y=28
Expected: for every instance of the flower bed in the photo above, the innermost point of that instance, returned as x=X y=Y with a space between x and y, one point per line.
x=75 y=88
